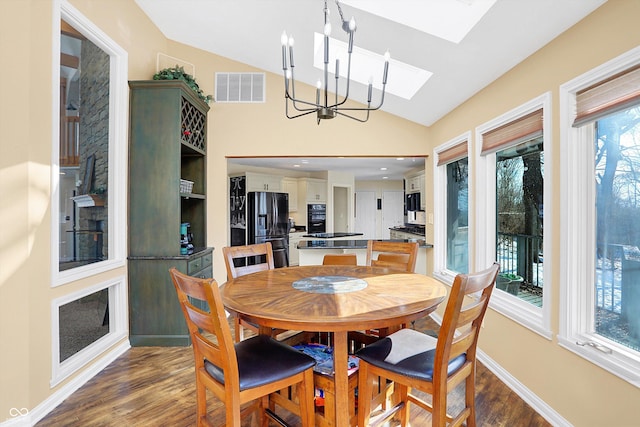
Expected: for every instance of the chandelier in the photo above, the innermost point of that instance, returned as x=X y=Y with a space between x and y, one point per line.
x=321 y=106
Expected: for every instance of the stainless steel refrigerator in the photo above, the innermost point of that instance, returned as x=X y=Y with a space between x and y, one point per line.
x=268 y=221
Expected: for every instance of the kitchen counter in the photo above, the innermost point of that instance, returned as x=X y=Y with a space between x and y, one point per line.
x=311 y=252
x=331 y=235
x=351 y=244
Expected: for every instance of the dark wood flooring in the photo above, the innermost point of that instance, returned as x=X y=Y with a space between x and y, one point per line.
x=154 y=386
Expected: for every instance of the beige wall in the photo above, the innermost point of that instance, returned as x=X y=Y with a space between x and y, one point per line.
x=580 y=392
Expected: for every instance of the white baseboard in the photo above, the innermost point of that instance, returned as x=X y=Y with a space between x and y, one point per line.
x=49 y=404
x=539 y=405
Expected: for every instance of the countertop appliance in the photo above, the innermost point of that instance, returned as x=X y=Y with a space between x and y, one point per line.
x=268 y=221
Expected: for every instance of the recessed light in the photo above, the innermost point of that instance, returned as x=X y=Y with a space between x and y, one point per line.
x=385 y=177
x=383 y=169
x=400 y=158
x=296 y=166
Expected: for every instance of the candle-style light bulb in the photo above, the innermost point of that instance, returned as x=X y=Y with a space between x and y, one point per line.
x=327 y=29
x=387 y=56
x=283 y=40
x=291 y=51
x=352 y=24
x=318 y=86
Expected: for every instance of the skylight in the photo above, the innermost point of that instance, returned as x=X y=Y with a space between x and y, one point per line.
x=451 y=20
x=404 y=81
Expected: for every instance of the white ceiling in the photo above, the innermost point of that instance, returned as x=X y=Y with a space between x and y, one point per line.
x=249 y=31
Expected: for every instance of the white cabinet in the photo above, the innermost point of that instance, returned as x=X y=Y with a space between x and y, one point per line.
x=290 y=186
x=294 y=254
x=263 y=182
x=416 y=184
x=314 y=189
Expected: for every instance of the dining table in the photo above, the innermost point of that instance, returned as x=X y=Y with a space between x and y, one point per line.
x=334 y=299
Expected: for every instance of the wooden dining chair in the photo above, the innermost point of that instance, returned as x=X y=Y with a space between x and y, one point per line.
x=242 y=260
x=340 y=259
x=395 y=255
x=238 y=373
x=414 y=360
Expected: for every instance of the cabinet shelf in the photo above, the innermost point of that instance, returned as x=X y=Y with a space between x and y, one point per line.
x=193 y=196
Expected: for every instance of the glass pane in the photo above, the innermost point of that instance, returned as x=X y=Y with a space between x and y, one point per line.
x=84 y=151
x=617 y=172
x=82 y=322
x=458 y=216
x=519 y=208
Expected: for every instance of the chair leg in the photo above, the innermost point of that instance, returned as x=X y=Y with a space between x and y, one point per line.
x=264 y=403
x=365 y=392
x=305 y=396
x=439 y=412
x=201 y=403
x=470 y=396
x=237 y=328
x=403 y=391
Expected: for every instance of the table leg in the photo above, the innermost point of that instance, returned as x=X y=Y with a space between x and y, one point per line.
x=341 y=377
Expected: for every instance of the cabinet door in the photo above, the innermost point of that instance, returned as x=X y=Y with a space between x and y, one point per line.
x=290 y=186
x=261 y=182
x=316 y=191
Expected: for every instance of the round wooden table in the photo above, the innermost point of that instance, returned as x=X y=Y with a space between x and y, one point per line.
x=334 y=299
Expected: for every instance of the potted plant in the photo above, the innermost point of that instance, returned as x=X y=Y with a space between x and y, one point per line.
x=178 y=73
x=509 y=282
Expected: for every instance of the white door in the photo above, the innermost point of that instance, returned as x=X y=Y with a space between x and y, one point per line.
x=365 y=214
x=392 y=211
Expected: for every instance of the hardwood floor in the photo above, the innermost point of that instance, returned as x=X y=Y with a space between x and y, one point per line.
x=154 y=386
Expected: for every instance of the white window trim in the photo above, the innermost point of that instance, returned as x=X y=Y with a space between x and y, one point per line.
x=118 y=116
x=118 y=328
x=440 y=270
x=532 y=317
x=577 y=208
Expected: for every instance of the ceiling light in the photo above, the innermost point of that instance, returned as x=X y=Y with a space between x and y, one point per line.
x=322 y=106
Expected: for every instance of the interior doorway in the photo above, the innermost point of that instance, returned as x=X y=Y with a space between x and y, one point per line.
x=341 y=209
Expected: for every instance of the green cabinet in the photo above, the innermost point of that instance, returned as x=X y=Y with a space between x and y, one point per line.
x=167 y=144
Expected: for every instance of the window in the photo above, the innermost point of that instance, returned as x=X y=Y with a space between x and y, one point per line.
x=600 y=185
x=512 y=205
x=88 y=206
x=451 y=192
x=89 y=157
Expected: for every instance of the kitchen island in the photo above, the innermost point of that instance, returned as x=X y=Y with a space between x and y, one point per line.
x=311 y=252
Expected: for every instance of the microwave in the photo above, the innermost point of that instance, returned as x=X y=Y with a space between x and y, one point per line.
x=413 y=202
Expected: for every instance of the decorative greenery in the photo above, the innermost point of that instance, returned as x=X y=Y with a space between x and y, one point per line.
x=178 y=73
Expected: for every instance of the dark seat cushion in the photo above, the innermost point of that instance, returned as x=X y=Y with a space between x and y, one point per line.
x=262 y=360
x=407 y=352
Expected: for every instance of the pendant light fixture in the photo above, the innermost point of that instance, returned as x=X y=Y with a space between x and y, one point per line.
x=295 y=107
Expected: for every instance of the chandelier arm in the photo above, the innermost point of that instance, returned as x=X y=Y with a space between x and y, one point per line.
x=304 y=113
x=313 y=106
x=352 y=117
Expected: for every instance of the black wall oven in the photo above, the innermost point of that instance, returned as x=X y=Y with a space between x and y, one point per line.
x=316 y=218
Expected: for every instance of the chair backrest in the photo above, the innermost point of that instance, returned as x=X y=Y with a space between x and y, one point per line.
x=203 y=325
x=462 y=322
x=340 y=259
x=396 y=255
x=261 y=254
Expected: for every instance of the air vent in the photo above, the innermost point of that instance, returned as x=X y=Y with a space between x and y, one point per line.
x=240 y=87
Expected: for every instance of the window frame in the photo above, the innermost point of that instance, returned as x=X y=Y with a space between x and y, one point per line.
x=534 y=318
x=117 y=182
x=118 y=119
x=440 y=270
x=577 y=263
